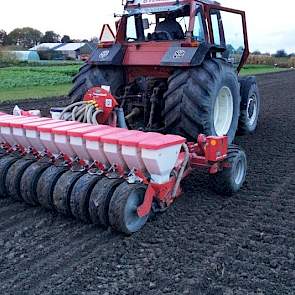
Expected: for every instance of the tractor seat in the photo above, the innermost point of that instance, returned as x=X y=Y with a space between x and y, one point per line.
x=169 y=29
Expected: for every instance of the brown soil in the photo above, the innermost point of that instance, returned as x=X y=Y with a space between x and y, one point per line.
x=204 y=244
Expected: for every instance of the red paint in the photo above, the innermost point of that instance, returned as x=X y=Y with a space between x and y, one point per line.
x=161 y=142
x=49 y=127
x=63 y=130
x=103 y=100
x=145 y=54
x=79 y=132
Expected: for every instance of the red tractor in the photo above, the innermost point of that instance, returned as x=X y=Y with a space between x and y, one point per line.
x=165 y=98
x=173 y=67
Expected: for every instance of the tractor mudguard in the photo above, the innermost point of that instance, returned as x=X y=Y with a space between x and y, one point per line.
x=108 y=56
x=178 y=56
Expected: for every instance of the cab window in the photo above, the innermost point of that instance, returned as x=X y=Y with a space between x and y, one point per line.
x=199 y=32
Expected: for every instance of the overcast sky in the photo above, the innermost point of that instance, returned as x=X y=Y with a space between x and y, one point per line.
x=269 y=27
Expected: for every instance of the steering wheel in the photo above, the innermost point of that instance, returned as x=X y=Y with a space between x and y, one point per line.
x=167 y=34
x=131 y=38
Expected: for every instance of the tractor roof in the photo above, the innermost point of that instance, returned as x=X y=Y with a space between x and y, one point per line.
x=157 y=3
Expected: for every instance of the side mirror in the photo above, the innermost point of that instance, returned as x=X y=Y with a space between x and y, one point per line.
x=146 y=23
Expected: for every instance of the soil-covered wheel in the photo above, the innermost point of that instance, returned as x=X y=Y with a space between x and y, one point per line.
x=123 y=206
x=46 y=184
x=80 y=196
x=250 y=106
x=5 y=164
x=14 y=175
x=90 y=76
x=29 y=180
x=205 y=99
x=232 y=177
x=100 y=199
x=63 y=190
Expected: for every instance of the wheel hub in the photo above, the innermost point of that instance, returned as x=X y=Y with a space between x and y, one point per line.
x=252 y=109
x=223 y=111
x=239 y=172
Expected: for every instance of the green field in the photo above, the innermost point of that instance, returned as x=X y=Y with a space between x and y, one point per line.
x=35 y=81
x=260 y=69
x=21 y=82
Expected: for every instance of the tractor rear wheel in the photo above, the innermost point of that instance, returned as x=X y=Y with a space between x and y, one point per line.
x=90 y=76
x=205 y=99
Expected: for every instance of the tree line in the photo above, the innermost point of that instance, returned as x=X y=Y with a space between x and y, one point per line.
x=29 y=37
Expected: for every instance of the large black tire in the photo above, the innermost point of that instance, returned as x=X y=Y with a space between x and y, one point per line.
x=5 y=163
x=90 y=76
x=100 y=199
x=29 y=180
x=250 y=106
x=123 y=208
x=232 y=177
x=46 y=184
x=14 y=176
x=80 y=196
x=191 y=97
x=63 y=190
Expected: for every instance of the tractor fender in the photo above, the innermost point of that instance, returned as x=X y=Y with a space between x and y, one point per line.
x=178 y=56
x=113 y=55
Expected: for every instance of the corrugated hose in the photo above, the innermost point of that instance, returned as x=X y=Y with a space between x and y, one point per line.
x=82 y=111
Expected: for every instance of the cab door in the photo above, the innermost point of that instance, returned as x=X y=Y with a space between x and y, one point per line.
x=227 y=30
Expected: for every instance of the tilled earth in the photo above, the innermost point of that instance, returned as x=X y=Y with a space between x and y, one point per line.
x=204 y=244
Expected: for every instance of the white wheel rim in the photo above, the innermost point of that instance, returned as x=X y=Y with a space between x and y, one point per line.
x=223 y=111
x=252 y=109
x=239 y=172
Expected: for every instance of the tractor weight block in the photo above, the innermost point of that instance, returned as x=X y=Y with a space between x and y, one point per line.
x=14 y=175
x=29 y=180
x=46 y=184
x=63 y=190
x=5 y=164
x=100 y=199
x=80 y=196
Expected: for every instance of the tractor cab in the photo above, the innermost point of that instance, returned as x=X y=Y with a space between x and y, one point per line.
x=168 y=33
x=167 y=23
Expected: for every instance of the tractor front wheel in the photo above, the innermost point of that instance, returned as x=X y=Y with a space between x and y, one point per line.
x=250 y=106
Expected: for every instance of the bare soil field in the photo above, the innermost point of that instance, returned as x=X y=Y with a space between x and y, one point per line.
x=204 y=244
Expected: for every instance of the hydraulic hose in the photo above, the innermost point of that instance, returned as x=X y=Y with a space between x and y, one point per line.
x=71 y=106
x=86 y=112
